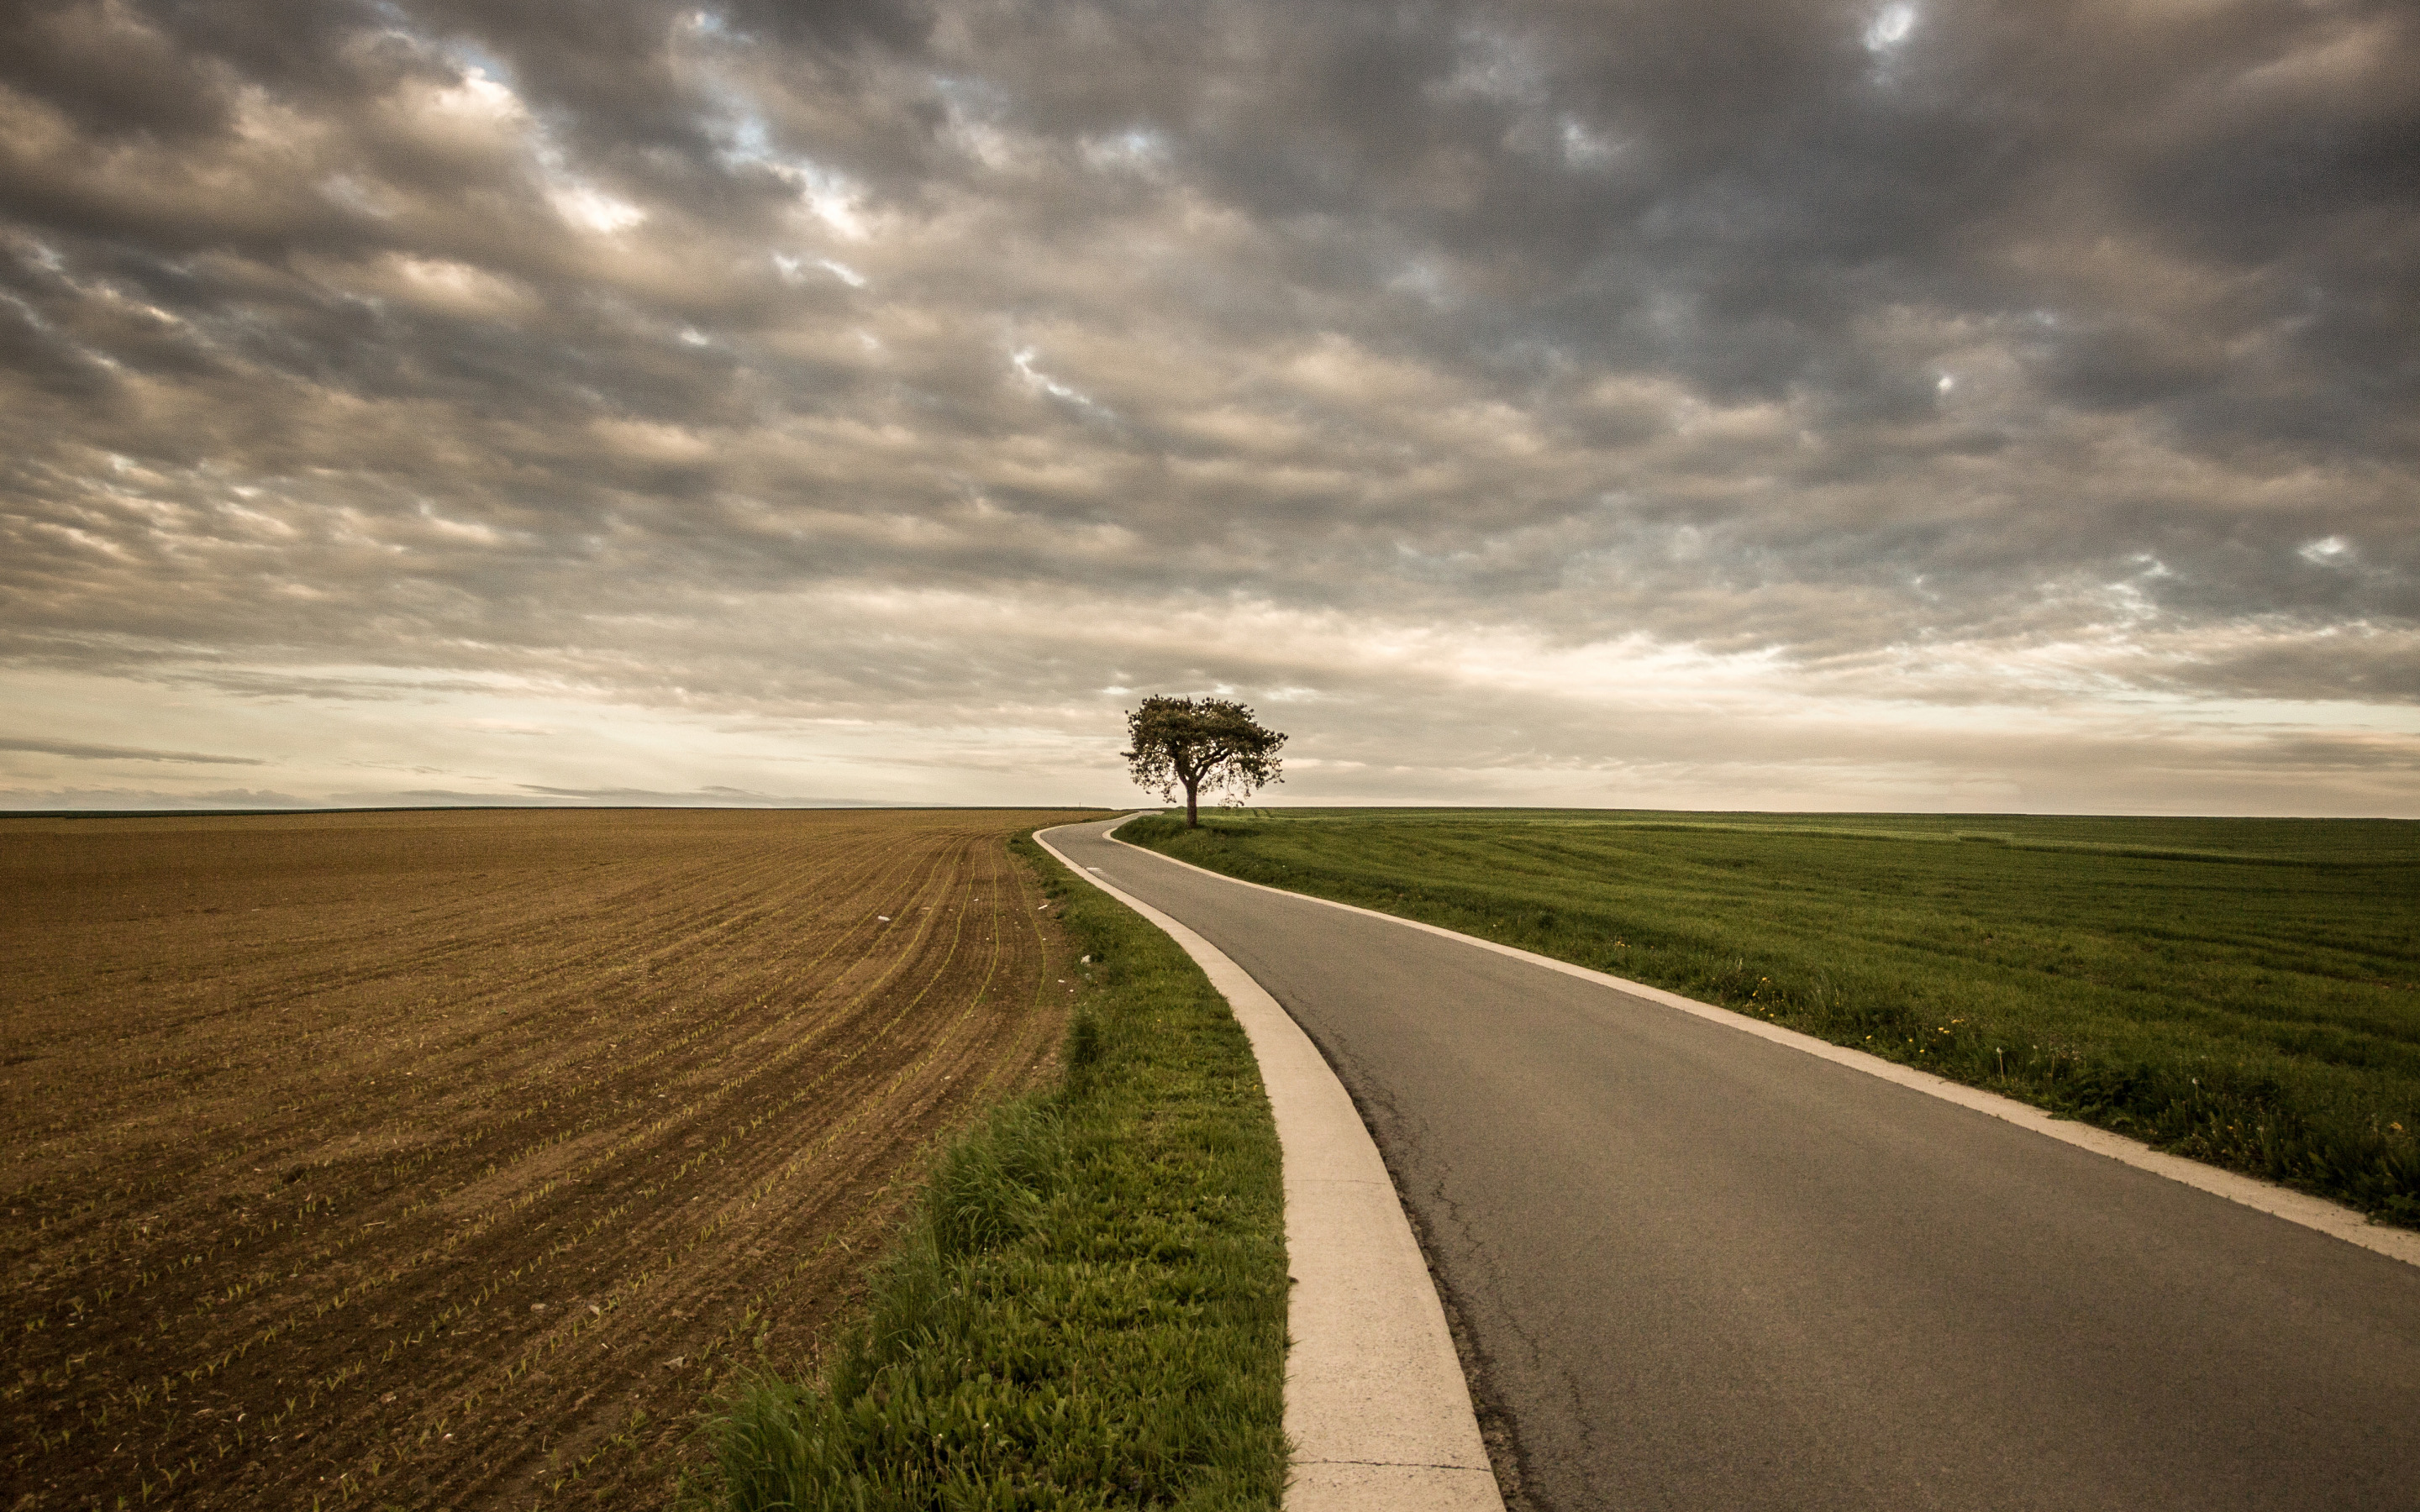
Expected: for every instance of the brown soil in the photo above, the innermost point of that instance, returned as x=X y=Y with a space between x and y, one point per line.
x=455 y=1159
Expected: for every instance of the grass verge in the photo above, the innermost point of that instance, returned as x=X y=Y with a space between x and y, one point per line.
x=1089 y=1308
x=2242 y=991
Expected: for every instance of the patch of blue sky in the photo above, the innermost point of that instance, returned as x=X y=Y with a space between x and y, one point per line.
x=744 y=138
x=1138 y=147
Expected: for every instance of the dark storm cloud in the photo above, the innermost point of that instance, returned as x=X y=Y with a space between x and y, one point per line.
x=661 y=351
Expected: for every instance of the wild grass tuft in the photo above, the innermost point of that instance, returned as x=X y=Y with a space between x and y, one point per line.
x=1089 y=1309
x=2244 y=991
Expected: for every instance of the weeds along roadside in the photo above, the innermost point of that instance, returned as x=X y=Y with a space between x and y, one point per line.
x=2339 y=1125
x=1089 y=1308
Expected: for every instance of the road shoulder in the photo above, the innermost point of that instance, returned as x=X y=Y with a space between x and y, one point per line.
x=1376 y=1406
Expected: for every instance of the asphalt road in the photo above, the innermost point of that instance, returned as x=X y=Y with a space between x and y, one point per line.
x=1698 y=1270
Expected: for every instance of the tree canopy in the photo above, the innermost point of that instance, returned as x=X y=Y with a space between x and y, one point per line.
x=1193 y=744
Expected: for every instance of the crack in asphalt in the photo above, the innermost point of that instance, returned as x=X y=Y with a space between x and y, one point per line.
x=1399 y=1136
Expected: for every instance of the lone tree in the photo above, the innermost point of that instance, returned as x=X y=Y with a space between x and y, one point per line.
x=1194 y=743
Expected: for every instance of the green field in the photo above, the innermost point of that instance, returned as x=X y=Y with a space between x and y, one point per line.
x=2243 y=990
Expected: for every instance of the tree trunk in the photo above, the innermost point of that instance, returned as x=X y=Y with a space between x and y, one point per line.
x=1192 y=820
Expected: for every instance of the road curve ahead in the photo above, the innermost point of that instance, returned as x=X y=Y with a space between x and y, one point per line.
x=1699 y=1269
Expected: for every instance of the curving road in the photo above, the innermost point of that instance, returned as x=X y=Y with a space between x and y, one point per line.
x=1698 y=1270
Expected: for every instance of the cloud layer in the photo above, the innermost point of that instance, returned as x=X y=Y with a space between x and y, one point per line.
x=1739 y=404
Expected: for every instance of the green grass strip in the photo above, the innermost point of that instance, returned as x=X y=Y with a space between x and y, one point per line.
x=1089 y=1308
x=2244 y=991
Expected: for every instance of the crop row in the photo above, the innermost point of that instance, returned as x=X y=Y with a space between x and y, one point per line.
x=756 y=1026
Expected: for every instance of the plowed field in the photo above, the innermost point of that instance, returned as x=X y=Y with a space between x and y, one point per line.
x=448 y=1159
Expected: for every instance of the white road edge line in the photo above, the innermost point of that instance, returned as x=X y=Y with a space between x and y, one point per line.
x=2330 y=1218
x=1376 y=1407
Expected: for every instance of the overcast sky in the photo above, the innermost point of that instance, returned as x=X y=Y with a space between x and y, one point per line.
x=1722 y=404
